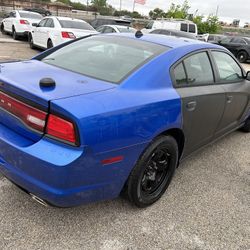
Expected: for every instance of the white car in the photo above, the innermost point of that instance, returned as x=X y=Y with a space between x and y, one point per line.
x=19 y=23
x=115 y=29
x=52 y=31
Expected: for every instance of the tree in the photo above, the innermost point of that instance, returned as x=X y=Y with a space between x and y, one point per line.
x=99 y=3
x=211 y=25
x=157 y=13
x=178 y=11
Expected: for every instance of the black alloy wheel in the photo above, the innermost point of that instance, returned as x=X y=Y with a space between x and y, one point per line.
x=153 y=172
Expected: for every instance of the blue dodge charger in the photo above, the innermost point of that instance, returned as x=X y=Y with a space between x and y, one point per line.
x=111 y=114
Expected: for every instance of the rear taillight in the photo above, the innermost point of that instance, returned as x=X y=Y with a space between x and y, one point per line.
x=61 y=129
x=32 y=117
x=24 y=22
x=56 y=127
x=68 y=35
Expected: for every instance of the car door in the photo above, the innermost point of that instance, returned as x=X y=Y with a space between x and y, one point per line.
x=231 y=78
x=202 y=100
x=235 y=44
x=48 y=31
x=39 y=33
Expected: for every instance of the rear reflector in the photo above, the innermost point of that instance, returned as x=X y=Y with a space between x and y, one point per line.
x=32 y=117
x=61 y=129
x=112 y=160
x=68 y=35
x=24 y=22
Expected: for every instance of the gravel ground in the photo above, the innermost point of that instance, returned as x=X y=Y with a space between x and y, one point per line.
x=207 y=206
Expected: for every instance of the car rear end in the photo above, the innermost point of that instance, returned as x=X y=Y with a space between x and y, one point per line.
x=24 y=23
x=40 y=147
x=73 y=29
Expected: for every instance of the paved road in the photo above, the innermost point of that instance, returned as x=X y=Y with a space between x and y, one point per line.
x=207 y=206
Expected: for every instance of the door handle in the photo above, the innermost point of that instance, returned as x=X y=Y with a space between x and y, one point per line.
x=229 y=99
x=191 y=106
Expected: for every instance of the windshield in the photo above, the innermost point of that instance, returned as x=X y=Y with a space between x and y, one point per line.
x=30 y=15
x=75 y=25
x=108 y=58
x=126 y=30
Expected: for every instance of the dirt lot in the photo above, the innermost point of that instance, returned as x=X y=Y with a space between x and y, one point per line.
x=206 y=206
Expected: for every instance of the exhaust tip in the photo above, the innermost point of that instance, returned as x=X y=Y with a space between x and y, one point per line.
x=39 y=200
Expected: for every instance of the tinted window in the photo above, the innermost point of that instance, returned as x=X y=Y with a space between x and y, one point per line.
x=107 y=58
x=238 y=40
x=12 y=14
x=30 y=15
x=149 y=25
x=180 y=75
x=184 y=27
x=49 y=23
x=228 y=69
x=75 y=25
x=191 y=28
x=199 y=70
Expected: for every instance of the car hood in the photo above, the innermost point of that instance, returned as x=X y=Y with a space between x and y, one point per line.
x=23 y=78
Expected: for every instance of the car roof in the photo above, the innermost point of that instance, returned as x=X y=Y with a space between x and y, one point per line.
x=168 y=41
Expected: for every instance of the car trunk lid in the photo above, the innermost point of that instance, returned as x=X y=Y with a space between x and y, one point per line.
x=19 y=82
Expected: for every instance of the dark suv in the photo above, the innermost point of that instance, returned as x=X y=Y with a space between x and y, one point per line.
x=239 y=46
x=105 y=21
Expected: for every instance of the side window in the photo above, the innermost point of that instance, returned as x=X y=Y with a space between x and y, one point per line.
x=184 y=27
x=199 y=69
x=42 y=23
x=12 y=14
x=239 y=41
x=108 y=30
x=229 y=70
x=100 y=29
x=180 y=75
x=49 y=23
x=191 y=28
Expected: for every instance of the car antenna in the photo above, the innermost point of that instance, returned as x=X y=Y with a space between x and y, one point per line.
x=138 y=34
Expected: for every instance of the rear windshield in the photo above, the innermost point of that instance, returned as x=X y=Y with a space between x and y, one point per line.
x=30 y=15
x=107 y=58
x=75 y=25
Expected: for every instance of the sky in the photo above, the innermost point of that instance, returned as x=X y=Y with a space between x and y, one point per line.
x=228 y=9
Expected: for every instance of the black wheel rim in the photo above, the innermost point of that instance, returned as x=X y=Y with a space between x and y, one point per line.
x=242 y=57
x=156 y=171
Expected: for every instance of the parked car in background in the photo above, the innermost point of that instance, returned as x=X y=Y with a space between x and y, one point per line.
x=105 y=21
x=52 y=31
x=173 y=24
x=19 y=23
x=239 y=46
x=80 y=124
x=115 y=29
x=173 y=33
x=215 y=38
x=41 y=11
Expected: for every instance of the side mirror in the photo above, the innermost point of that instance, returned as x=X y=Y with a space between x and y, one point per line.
x=34 y=24
x=247 y=76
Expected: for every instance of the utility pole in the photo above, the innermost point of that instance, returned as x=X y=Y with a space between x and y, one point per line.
x=217 y=10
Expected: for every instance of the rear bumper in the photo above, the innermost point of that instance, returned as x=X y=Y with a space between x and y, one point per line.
x=62 y=175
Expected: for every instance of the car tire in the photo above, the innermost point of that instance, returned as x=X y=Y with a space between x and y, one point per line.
x=49 y=44
x=153 y=172
x=2 y=29
x=14 y=34
x=31 y=43
x=242 y=56
x=246 y=126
